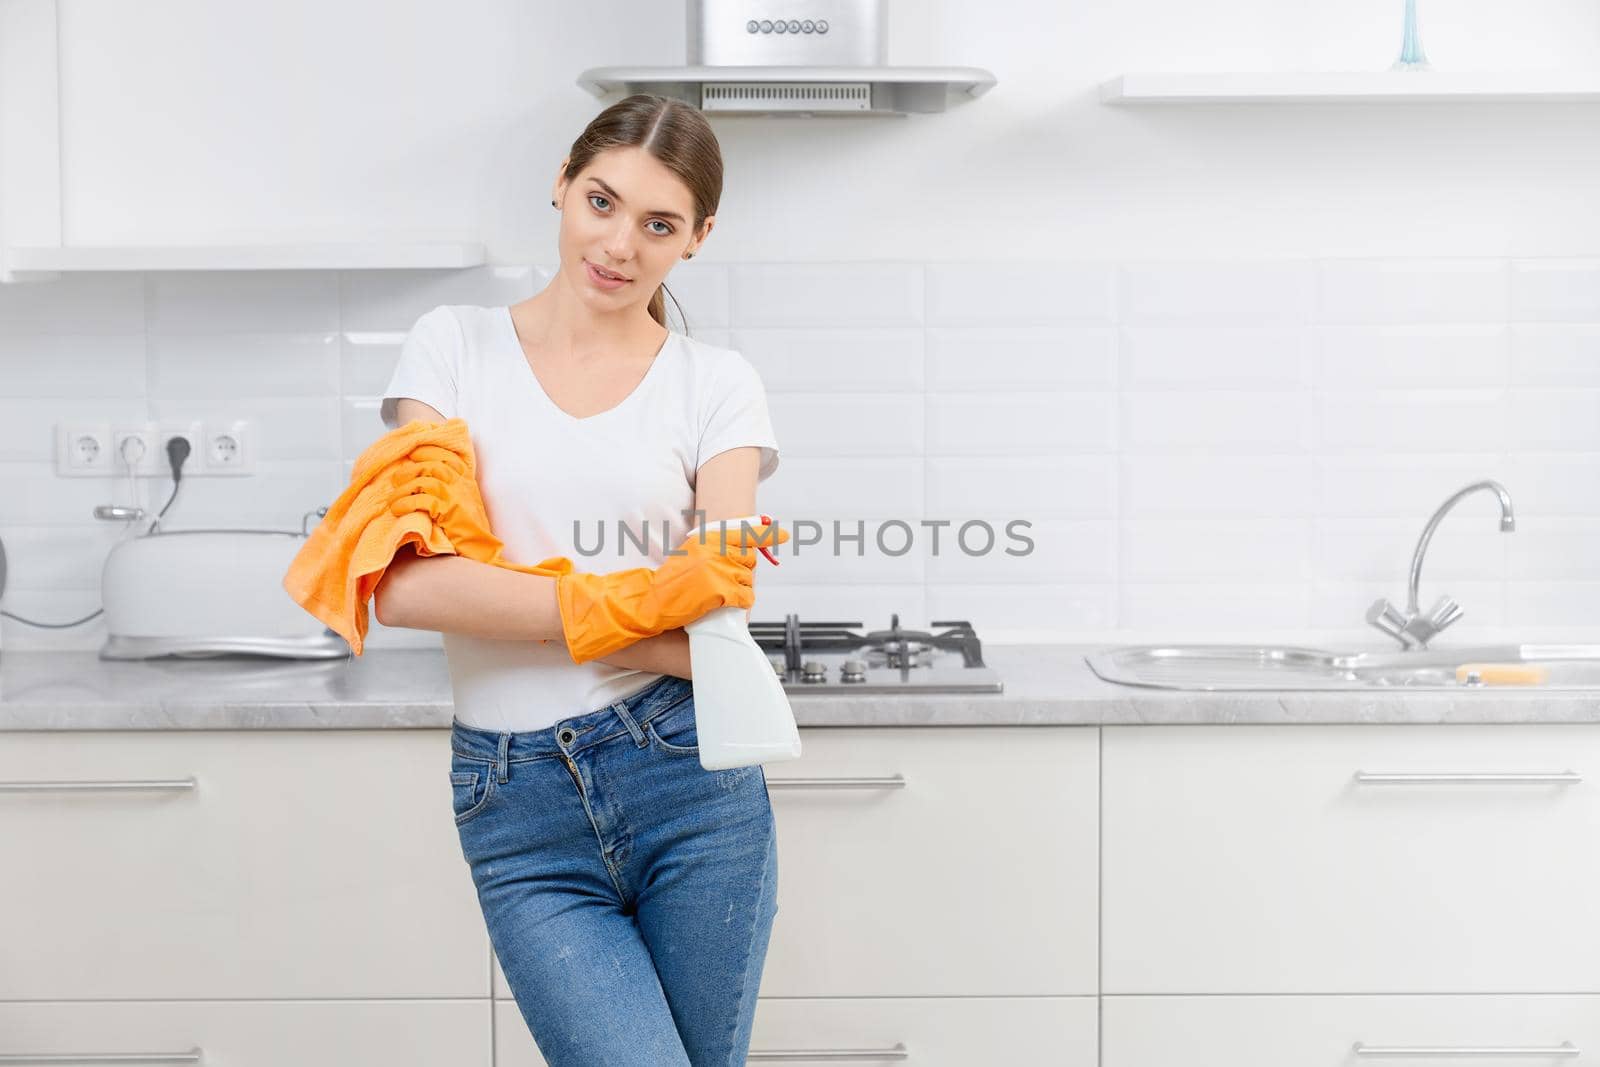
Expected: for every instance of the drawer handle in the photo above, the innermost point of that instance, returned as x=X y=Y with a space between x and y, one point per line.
x=898 y=1052
x=192 y=1056
x=1566 y=1048
x=893 y=781
x=55 y=787
x=1552 y=776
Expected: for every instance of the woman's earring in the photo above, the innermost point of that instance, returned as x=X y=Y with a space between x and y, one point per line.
x=552 y=203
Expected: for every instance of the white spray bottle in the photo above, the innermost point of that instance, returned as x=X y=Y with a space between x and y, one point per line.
x=741 y=712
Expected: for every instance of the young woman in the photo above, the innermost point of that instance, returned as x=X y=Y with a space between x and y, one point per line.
x=628 y=892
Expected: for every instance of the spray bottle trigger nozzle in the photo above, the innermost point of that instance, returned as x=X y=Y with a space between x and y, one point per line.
x=766 y=520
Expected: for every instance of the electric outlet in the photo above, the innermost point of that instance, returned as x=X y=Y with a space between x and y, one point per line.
x=135 y=445
x=228 y=448
x=83 y=449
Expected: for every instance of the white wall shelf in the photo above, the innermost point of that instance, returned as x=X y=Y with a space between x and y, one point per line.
x=1335 y=87
x=47 y=260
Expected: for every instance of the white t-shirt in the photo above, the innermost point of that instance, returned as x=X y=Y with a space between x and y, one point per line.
x=541 y=470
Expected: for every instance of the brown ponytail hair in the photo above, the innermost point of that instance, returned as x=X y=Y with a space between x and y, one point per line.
x=678 y=136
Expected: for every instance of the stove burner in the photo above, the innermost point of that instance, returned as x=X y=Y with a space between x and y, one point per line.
x=839 y=657
x=893 y=643
x=904 y=655
x=893 y=647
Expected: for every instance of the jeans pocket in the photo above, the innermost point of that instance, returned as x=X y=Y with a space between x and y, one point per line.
x=471 y=786
x=673 y=732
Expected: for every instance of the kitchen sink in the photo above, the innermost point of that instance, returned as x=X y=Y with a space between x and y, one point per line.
x=1222 y=667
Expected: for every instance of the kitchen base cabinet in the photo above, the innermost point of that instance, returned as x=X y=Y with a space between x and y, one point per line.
x=1311 y=1031
x=250 y=864
x=1351 y=859
x=924 y=1031
x=963 y=864
x=978 y=876
x=246 y=1033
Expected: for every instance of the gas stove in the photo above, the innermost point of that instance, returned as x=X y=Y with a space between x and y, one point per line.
x=832 y=657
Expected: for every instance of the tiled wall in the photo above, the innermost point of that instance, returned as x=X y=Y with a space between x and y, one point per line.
x=1216 y=450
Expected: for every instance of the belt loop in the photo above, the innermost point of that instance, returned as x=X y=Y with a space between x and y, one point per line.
x=502 y=764
x=639 y=739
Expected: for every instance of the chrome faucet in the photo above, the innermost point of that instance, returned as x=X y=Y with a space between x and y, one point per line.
x=1412 y=628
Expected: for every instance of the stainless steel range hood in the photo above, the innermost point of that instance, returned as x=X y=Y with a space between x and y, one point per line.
x=798 y=90
x=792 y=57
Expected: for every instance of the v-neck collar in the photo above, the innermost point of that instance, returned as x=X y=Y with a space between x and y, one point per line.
x=538 y=386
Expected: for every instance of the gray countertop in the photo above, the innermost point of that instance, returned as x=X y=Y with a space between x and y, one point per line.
x=1044 y=685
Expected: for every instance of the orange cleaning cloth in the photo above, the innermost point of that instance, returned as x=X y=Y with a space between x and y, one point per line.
x=415 y=485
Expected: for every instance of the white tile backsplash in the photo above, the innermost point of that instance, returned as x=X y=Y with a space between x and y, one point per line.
x=1018 y=294
x=842 y=424
x=1567 y=605
x=1207 y=486
x=1188 y=610
x=212 y=369
x=981 y=423
x=1554 y=548
x=1377 y=357
x=826 y=294
x=1413 y=420
x=393 y=300
x=1555 y=354
x=1047 y=550
x=61 y=369
x=1555 y=290
x=1238 y=293
x=1214 y=357
x=268 y=301
x=1412 y=291
x=860 y=487
x=92 y=302
x=1379 y=550
x=1554 y=418
x=1374 y=484
x=1201 y=450
x=859 y=360
x=1034 y=487
x=1273 y=550
x=1021 y=357
x=848 y=550
x=1216 y=420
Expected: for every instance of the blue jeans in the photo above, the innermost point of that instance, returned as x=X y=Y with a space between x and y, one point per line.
x=628 y=892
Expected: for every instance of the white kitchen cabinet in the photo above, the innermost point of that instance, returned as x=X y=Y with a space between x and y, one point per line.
x=976 y=874
x=925 y=1031
x=245 y=1033
x=1321 y=1031
x=270 y=913
x=302 y=863
x=1251 y=859
x=363 y=145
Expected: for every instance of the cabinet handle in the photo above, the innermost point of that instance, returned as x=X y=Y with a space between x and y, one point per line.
x=1566 y=1048
x=897 y=1052
x=65 y=787
x=893 y=781
x=192 y=1056
x=1552 y=776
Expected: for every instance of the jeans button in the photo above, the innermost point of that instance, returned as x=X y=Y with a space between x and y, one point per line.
x=567 y=736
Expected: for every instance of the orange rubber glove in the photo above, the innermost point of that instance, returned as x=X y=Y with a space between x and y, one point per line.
x=601 y=613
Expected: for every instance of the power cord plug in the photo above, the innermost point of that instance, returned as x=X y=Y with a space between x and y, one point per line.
x=178 y=450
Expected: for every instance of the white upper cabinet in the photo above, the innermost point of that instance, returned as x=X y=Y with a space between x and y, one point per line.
x=343 y=135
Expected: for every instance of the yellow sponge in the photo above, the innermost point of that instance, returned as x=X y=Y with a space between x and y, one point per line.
x=1503 y=673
